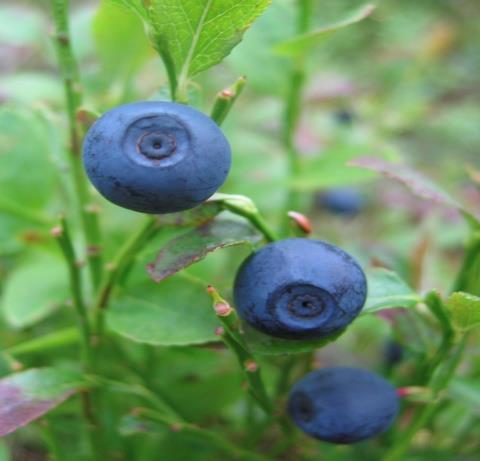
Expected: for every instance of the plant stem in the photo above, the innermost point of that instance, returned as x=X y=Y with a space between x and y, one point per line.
x=464 y=280
x=69 y=70
x=120 y=264
x=424 y=414
x=51 y=440
x=226 y=99
x=233 y=452
x=292 y=109
x=63 y=238
x=435 y=304
x=62 y=235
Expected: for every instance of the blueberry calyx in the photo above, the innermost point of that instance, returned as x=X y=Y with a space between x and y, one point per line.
x=156 y=145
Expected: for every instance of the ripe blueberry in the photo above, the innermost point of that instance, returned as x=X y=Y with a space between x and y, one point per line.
x=346 y=201
x=300 y=289
x=343 y=405
x=156 y=157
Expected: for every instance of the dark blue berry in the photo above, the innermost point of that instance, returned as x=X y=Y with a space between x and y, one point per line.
x=343 y=405
x=300 y=289
x=346 y=201
x=393 y=353
x=156 y=157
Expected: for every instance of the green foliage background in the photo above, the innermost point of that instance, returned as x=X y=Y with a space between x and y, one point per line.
x=408 y=76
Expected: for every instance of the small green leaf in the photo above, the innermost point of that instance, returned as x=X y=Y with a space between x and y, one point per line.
x=34 y=290
x=195 y=217
x=174 y=313
x=386 y=290
x=415 y=181
x=261 y=343
x=194 y=245
x=193 y=35
x=303 y=43
x=27 y=396
x=464 y=309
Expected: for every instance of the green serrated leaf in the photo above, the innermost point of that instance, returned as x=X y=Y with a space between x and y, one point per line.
x=193 y=35
x=386 y=290
x=303 y=43
x=464 y=309
x=194 y=245
x=28 y=395
x=174 y=313
x=34 y=290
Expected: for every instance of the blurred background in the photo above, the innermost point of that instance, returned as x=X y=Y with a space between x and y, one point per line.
x=401 y=85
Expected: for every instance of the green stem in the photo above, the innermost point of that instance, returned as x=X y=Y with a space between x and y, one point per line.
x=51 y=440
x=120 y=264
x=464 y=280
x=62 y=235
x=234 y=340
x=435 y=304
x=292 y=110
x=69 y=70
x=226 y=99
x=64 y=240
x=424 y=414
x=232 y=451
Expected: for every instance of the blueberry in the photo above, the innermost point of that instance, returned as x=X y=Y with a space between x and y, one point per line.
x=392 y=353
x=346 y=201
x=343 y=405
x=156 y=157
x=299 y=289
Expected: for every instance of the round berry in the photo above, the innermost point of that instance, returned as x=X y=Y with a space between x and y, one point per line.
x=343 y=405
x=345 y=201
x=299 y=289
x=156 y=157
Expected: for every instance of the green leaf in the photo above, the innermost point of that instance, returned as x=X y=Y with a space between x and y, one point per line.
x=386 y=290
x=261 y=343
x=28 y=395
x=55 y=340
x=194 y=245
x=122 y=49
x=466 y=391
x=27 y=177
x=34 y=290
x=4 y=453
x=415 y=181
x=464 y=309
x=193 y=35
x=331 y=169
x=303 y=43
x=174 y=313
x=195 y=217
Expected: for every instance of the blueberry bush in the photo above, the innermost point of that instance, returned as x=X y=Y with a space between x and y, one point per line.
x=239 y=230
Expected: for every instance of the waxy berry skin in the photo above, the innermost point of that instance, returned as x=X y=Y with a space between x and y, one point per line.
x=300 y=289
x=156 y=157
x=343 y=405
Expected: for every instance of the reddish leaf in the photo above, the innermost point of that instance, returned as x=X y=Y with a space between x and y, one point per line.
x=193 y=246
x=27 y=396
x=415 y=181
